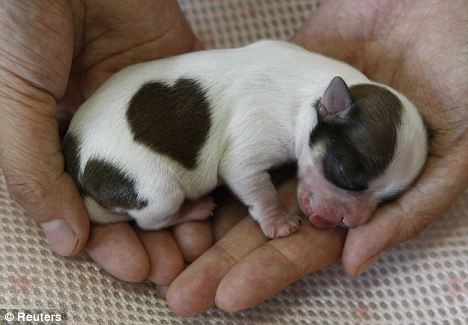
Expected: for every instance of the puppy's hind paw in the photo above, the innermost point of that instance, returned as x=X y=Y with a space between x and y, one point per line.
x=200 y=209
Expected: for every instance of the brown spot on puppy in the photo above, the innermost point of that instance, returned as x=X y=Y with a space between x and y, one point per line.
x=360 y=147
x=110 y=186
x=71 y=152
x=377 y=121
x=171 y=120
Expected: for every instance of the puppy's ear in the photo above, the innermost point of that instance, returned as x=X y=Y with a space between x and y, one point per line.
x=336 y=104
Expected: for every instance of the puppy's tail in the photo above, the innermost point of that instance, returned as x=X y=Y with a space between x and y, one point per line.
x=98 y=214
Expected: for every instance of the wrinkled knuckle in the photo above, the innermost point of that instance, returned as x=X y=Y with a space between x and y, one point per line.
x=408 y=230
x=413 y=227
x=293 y=268
x=223 y=254
x=30 y=191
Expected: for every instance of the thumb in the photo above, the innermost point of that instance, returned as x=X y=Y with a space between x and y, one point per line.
x=33 y=166
x=442 y=181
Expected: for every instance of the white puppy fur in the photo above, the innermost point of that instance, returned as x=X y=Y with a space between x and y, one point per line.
x=261 y=103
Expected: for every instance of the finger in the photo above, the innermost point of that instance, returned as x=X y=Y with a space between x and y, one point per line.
x=30 y=153
x=162 y=290
x=277 y=264
x=119 y=251
x=229 y=212
x=329 y=30
x=232 y=212
x=165 y=258
x=202 y=277
x=442 y=181
x=33 y=166
x=198 y=45
x=148 y=30
x=193 y=238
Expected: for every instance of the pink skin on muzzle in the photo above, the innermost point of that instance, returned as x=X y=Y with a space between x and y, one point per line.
x=327 y=205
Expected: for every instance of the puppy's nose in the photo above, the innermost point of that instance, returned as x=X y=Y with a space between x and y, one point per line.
x=345 y=225
x=342 y=224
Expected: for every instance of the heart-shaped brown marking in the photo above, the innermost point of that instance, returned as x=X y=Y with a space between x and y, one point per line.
x=171 y=120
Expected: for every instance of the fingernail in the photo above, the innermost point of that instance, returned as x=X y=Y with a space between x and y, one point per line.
x=162 y=290
x=367 y=264
x=60 y=236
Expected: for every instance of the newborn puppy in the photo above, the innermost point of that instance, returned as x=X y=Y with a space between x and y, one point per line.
x=157 y=137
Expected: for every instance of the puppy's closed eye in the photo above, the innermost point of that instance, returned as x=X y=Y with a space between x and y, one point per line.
x=389 y=198
x=344 y=173
x=350 y=184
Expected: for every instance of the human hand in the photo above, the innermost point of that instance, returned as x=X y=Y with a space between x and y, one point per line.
x=409 y=45
x=419 y=48
x=243 y=268
x=53 y=55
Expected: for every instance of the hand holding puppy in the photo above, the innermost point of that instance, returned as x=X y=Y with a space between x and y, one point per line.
x=391 y=42
x=54 y=55
x=413 y=48
x=234 y=276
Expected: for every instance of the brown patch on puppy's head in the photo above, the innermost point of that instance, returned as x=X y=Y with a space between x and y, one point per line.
x=359 y=144
x=369 y=145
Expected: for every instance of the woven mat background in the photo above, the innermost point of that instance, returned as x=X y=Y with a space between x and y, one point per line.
x=423 y=281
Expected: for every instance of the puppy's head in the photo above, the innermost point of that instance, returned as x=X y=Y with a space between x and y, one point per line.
x=369 y=145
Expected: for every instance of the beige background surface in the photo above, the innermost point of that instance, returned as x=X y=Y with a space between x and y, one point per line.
x=423 y=281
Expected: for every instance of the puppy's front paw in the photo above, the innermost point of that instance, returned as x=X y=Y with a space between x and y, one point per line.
x=280 y=225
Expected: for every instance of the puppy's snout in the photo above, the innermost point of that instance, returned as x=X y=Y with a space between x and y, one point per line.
x=346 y=225
x=342 y=224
